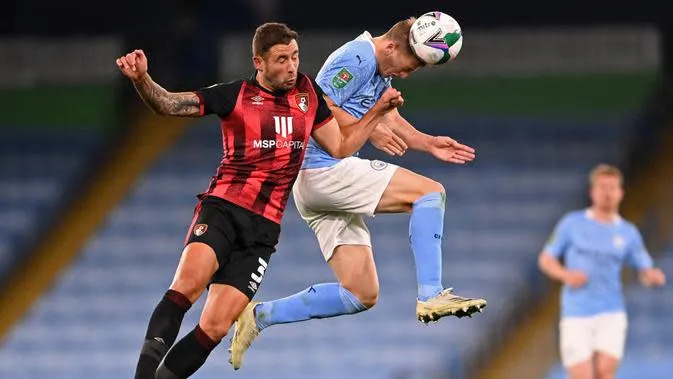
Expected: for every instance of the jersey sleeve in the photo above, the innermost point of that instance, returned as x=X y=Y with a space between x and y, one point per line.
x=341 y=78
x=560 y=238
x=637 y=255
x=323 y=115
x=219 y=99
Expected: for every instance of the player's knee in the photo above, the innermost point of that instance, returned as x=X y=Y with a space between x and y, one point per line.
x=433 y=187
x=605 y=371
x=189 y=286
x=216 y=329
x=370 y=299
x=429 y=186
x=367 y=296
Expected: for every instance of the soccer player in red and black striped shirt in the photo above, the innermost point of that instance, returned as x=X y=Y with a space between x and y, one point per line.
x=266 y=122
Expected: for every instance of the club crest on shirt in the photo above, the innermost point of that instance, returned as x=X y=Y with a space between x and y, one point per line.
x=200 y=229
x=618 y=241
x=302 y=101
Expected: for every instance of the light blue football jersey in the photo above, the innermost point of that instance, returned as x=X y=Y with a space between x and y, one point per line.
x=351 y=79
x=598 y=249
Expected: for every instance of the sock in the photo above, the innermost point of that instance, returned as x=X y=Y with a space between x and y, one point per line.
x=162 y=330
x=318 y=301
x=187 y=356
x=425 y=234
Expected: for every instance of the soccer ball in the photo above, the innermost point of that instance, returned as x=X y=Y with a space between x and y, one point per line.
x=435 y=38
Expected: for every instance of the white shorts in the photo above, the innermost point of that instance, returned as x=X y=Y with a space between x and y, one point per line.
x=333 y=200
x=582 y=336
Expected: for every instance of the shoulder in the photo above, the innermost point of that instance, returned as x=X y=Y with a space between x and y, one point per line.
x=629 y=227
x=573 y=217
x=306 y=82
x=230 y=87
x=356 y=55
x=578 y=214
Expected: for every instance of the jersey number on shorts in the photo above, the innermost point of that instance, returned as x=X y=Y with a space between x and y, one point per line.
x=261 y=269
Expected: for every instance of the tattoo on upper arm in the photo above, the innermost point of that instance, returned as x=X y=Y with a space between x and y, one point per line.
x=167 y=103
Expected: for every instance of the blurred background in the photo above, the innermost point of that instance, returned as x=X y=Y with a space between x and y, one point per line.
x=96 y=193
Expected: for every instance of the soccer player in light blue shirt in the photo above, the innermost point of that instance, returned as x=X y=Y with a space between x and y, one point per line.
x=334 y=195
x=594 y=243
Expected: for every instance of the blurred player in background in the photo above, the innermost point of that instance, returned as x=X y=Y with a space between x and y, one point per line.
x=333 y=196
x=594 y=243
x=266 y=121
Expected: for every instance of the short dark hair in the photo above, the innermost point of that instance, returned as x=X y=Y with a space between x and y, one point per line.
x=270 y=34
x=400 y=34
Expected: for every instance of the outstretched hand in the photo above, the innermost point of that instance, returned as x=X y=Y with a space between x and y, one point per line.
x=449 y=150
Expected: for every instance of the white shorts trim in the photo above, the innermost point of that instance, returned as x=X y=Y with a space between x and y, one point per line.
x=333 y=200
x=581 y=337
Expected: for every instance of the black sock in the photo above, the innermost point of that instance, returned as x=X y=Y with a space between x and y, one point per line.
x=187 y=356
x=162 y=330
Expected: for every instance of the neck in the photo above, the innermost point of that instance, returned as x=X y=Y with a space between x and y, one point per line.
x=604 y=214
x=263 y=83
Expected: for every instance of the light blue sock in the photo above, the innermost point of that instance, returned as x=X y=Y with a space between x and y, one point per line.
x=425 y=234
x=318 y=301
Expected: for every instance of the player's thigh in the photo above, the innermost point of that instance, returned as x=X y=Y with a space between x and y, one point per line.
x=576 y=342
x=404 y=188
x=223 y=306
x=605 y=365
x=355 y=269
x=581 y=370
x=207 y=246
x=247 y=264
x=610 y=338
x=197 y=264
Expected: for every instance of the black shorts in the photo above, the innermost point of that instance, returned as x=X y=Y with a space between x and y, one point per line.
x=243 y=242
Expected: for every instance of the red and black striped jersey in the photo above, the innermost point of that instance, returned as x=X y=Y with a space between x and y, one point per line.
x=264 y=135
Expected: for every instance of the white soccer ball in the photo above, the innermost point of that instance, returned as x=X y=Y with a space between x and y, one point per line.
x=435 y=38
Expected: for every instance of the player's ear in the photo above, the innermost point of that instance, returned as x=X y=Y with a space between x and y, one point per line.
x=258 y=62
x=390 y=47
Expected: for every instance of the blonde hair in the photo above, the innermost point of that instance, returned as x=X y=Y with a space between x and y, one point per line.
x=400 y=34
x=605 y=169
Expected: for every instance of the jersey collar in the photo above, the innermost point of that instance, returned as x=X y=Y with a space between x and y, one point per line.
x=368 y=37
x=588 y=213
x=253 y=80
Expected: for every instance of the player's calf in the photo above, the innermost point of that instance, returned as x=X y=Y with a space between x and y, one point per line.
x=318 y=301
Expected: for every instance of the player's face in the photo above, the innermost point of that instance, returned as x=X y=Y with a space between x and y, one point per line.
x=279 y=66
x=399 y=64
x=606 y=192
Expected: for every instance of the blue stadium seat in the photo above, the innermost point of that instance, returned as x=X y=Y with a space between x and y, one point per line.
x=38 y=170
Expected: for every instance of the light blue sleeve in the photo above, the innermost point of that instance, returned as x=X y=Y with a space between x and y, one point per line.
x=560 y=239
x=344 y=73
x=637 y=255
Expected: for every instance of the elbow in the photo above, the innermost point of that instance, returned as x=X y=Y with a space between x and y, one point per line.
x=542 y=261
x=339 y=154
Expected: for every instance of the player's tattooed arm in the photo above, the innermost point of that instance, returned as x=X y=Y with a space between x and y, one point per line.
x=134 y=66
x=167 y=103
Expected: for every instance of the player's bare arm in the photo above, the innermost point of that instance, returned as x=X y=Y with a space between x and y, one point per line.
x=344 y=135
x=441 y=147
x=382 y=137
x=551 y=266
x=134 y=66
